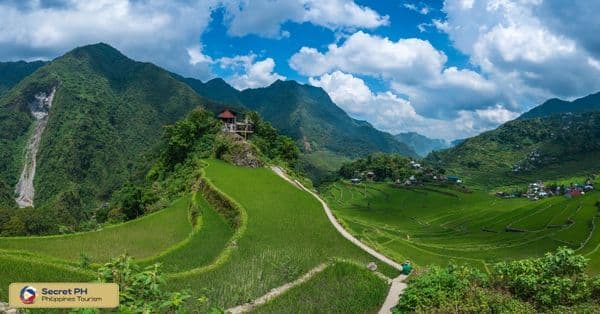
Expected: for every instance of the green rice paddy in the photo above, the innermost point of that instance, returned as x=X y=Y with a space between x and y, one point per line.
x=436 y=225
x=284 y=233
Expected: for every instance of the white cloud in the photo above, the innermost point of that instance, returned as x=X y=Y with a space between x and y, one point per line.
x=197 y=56
x=532 y=49
x=420 y=8
x=411 y=67
x=250 y=73
x=389 y=112
x=373 y=55
x=265 y=17
x=161 y=31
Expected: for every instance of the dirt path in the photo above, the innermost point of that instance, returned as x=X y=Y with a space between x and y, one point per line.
x=398 y=285
x=277 y=291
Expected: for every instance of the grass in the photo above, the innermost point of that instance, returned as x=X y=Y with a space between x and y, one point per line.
x=435 y=225
x=203 y=246
x=286 y=235
x=328 y=292
x=20 y=269
x=140 y=238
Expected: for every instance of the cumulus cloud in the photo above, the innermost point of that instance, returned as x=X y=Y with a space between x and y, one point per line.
x=265 y=17
x=250 y=73
x=42 y=29
x=411 y=66
x=392 y=113
x=533 y=49
x=160 y=31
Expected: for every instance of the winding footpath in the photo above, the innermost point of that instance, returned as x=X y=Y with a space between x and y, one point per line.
x=397 y=284
x=277 y=291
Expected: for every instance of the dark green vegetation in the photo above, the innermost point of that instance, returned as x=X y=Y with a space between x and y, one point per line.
x=323 y=131
x=527 y=150
x=107 y=115
x=12 y=73
x=279 y=234
x=306 y=114
x=436 y=224
x=553 y=283
x=421 y=144
x=387 y=167
x=557 y=106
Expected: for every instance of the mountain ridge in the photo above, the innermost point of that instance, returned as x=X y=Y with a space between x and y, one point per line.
x=307 y=114
x=556 y=106
x=107 y=115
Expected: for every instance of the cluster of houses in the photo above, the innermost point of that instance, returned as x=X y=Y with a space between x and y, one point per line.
x=412 y=180
x=538 y=190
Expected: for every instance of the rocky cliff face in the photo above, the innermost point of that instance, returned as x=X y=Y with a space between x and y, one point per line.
x=40 y=108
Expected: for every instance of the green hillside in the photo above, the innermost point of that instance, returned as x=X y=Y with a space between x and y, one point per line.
x=308 y=115
x=282 y=233
x=440 y=224
x=527 y=150
x=12 y=73
x=556 y=106
x=107 y=114
x=421 y=144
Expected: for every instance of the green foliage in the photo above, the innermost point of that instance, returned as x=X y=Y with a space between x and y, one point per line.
x=270 y=143
x=105 y=120
x=183 y=136
x=527 y=150
x=385 y=167
x=555 y=279
x=141 y=290
x=554 y=282
x=12 y=73
x=307 y=115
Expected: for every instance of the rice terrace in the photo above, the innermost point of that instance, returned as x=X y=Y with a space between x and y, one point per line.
x=437 y=224
x=299 y=156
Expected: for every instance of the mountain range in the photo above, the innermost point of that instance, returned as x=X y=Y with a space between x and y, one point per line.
x=91 y=118
x=12 y=73
x=557 y=106
x=422 y=144
x=105 y=115
x=307 y=114
x=556 y=139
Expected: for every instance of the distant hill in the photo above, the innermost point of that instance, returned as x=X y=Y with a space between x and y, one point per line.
x=307 y=114
x=12 y=73
x=107 y=114
x=556 y=106
x=562 y=145
x=421 y=144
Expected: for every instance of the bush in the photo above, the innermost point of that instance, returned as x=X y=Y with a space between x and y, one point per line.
x=555 y=279
x=141 y=290
x=554 y=283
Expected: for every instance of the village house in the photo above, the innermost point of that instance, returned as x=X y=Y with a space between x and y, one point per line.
x=232 y=125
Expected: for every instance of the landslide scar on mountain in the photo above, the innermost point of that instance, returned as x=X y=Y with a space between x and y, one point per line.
x=40 y=108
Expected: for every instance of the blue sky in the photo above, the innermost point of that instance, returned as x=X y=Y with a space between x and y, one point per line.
x=446 y=69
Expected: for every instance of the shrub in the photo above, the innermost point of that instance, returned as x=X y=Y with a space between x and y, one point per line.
x=141 y=290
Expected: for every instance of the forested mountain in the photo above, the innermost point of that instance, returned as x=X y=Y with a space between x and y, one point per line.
x=308 y=115
x=12 y=73
x=421 y=144
x=527 y=149
x=556 y=106
x=104 y=115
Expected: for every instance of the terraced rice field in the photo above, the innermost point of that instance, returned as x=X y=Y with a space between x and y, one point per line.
x=282 y=234
x=438 y=225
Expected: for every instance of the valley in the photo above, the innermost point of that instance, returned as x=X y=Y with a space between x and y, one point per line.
x=275 y=200
x=437 y=225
